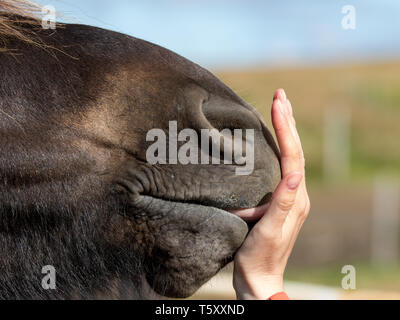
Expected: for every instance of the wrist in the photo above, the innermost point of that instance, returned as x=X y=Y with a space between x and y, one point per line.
x=259 y=288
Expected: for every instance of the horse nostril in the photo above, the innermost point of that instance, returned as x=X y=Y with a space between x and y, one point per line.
x=226 y=114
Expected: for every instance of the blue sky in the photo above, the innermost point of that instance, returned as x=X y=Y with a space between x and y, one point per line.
x=222 y=34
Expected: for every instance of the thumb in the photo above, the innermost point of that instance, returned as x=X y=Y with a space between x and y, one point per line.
x=283 y=200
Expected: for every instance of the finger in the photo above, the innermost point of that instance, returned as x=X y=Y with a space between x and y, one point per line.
x=290 y=151
x=296 y=228
x=294 y=129
x=288 y=110
x=300 y=213
x=252 y=214
x=280 y=94
x=282 y=202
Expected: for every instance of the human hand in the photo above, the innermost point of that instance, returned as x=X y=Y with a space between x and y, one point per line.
x=260 y=263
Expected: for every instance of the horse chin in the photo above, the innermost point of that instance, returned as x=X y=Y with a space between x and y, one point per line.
x=191 y=244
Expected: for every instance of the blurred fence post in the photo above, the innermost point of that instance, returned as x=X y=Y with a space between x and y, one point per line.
x=336 y=143
x=385 y=221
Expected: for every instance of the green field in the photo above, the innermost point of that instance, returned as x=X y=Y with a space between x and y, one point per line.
x=340 y=213
x=385 y=277
x=371 y=92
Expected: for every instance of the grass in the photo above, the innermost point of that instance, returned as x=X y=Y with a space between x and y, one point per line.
x=371 y=93
x=379 y=277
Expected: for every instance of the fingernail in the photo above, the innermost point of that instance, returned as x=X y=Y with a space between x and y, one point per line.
x=294 y=180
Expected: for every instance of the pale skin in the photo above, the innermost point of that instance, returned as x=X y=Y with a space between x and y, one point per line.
x=260 y=263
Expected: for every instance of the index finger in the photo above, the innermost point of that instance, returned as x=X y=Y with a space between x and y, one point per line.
x=286 y=133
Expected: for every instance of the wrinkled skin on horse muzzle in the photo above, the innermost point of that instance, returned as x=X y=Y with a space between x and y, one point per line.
x=180 y=212
x=77 y=189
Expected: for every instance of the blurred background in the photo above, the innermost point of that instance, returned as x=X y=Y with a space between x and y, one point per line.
x=339 y=62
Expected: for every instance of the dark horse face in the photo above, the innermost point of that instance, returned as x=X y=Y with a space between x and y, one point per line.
x=77 y=191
